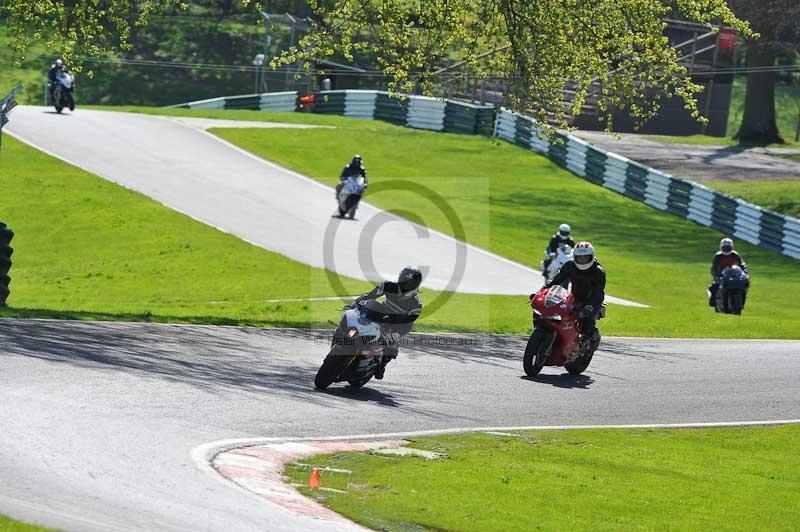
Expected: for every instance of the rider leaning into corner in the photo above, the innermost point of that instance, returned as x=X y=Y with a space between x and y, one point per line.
x=588 y=281
x=353 y=169
x=401 y=304
x=725 y=257
x=561 y=237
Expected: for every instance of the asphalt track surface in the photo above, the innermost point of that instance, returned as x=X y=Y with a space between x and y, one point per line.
x=99 y=419
x=178 y=163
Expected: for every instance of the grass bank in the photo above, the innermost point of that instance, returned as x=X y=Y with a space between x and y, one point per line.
x=86 y=248
x=687 y=479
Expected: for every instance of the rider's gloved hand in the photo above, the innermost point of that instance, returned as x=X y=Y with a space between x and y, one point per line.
x=586 y=311
x=393 y=339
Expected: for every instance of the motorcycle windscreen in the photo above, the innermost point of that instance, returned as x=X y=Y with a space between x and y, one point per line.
x=555 y=296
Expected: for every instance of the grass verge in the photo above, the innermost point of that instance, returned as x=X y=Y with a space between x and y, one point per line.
x=12 y=525
x=686 y=479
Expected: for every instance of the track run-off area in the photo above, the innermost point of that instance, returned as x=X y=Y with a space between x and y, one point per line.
x=100 y=419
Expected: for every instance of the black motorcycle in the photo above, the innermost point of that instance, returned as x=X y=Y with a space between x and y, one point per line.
x=62 y=92
x=731 y=292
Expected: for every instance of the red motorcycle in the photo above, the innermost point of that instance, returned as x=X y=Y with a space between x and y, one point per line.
x=555 y=340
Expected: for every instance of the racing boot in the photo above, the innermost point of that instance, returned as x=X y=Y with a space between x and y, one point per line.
x=389 y=354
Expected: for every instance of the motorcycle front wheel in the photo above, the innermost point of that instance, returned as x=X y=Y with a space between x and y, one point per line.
x=536 y=352
x=335 y=363
x=579 y=365
x=360 y=381
x=735 y=303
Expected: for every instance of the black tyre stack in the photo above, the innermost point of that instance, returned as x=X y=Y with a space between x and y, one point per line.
x=6 y=251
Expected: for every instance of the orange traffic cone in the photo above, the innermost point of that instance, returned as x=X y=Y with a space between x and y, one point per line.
x=313 y=480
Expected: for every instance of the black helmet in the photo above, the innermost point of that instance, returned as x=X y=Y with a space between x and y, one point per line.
x=356 y=160
x=409 y=279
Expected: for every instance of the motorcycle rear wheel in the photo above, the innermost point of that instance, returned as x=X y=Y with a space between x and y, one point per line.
x=536 y=352
x=334 y=364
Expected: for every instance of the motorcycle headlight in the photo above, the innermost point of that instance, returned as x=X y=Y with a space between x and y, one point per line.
x=352 y=332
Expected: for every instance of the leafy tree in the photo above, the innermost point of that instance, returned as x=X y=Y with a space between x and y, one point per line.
x=778 y=23
x=539 y=47
x=84 y=27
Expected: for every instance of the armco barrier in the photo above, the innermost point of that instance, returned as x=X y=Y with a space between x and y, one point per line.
x=419 y=112
x=271 y=101
x=693 y=201
x=661 y=191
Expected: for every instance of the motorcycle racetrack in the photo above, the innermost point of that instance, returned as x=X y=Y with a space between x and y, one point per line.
x=100 y=419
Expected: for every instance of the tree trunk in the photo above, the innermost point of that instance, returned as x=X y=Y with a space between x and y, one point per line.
x=758 y=121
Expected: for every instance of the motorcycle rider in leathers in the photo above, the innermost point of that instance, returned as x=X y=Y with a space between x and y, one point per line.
x=725 y=257
x=561 y=237
x=588 y=281
x=402 y=305
x=52 y=75
x=354 y=169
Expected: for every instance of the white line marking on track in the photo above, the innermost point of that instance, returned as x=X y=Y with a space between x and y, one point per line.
x=209 y=450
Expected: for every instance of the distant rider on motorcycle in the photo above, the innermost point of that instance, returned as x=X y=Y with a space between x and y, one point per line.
x=588 y=281
x=354 y=169
x=401 y=304
x=561 y=237
x=724 y=258
x=52 y=74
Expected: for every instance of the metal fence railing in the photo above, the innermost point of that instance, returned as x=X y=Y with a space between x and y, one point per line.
x=7 y=103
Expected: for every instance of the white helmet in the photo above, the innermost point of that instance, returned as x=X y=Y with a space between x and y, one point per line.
x=726 y=246
x=564 y=231
x=583 y=255
x=59 y=63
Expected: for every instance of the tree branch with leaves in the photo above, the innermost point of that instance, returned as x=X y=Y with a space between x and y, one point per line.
x=538 y=47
